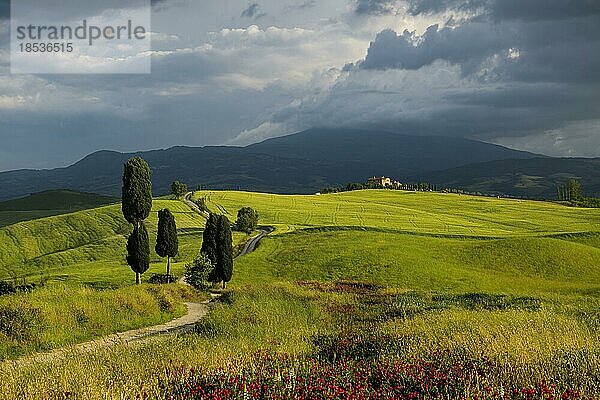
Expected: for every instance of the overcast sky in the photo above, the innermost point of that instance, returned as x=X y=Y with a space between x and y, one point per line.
x=525 y=74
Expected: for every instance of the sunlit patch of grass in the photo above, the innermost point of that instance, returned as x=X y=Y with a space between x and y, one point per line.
x=61 y=315
x=521 y=346
x=432 y=213
x=519 y=266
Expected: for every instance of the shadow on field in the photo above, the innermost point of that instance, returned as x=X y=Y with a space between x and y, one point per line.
x=374 y=304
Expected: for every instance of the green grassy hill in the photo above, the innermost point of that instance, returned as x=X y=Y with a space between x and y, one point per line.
x=89 y=246
x=49 y=203
x=423 y=241
x=420 y=213
x=476 y=240
x=380 y=276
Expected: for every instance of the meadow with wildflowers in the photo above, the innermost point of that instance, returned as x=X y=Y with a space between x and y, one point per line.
x=483 y=299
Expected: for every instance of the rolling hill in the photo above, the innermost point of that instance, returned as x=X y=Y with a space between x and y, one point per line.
x=49 y=203
x=308 y=161
x=514 y=283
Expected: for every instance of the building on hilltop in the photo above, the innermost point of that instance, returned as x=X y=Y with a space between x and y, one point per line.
x=382 y=181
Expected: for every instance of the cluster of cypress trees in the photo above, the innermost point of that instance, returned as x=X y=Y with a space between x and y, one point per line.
x=136 y=205
x=217 y=245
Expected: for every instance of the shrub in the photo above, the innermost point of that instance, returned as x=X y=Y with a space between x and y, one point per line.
x=178 y=189
x=587 y=202
x=198 y=273
x=9 y=288
x=247 y=220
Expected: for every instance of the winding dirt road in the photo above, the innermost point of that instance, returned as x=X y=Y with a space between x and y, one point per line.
x=253 y=242
x=187 y=199
x=195 y=312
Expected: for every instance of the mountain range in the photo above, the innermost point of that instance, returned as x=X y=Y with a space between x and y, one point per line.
x=311 y=160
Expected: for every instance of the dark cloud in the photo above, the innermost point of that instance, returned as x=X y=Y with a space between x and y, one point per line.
x=65 y=9
x=97 y=8
x=409 y=51
x=416 y=7
x=253 y=11
x=529 y=10
x=552 y=51
x=375 y=7
x=544 y=9
x=501 y=71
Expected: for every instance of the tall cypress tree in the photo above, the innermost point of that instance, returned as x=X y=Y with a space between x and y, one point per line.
x=209 y=238
x=224 y=265
x=138 y=251
x=136 y=200
x=136 y=203
x=167 y=244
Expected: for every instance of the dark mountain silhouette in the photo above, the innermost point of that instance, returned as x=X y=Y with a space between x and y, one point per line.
x=308 y=161
x=386 y=151
x=533 y=178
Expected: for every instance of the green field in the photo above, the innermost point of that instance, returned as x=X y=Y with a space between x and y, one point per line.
x=80 y=258
x=49 y=203
x=423 y=213
x=424 y=241
x=405 y=275
x=61 y=315
x=89 y=246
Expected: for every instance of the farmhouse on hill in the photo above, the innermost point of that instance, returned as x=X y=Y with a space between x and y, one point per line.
x=382 y=181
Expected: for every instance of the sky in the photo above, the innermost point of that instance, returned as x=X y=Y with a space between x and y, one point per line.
x=524 y=74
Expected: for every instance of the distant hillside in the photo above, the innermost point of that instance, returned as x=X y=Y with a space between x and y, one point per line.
x=380 y=151
x=49 y=203
x=308 y=161
x=300 y=163
x=535 y=178
x=57 y=200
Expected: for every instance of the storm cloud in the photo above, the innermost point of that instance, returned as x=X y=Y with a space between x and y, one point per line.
x=375 y=7
x=521 y=73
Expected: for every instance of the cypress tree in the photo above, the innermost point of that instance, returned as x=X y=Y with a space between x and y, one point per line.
x=167 y=244
x=136 y=200
x=209 y=238
x=224 y=265
x=138 y=251
x=136 y=203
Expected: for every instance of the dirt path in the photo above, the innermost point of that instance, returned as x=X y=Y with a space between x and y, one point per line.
x=187 y=199
x=195 y=312
x=253 y=242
